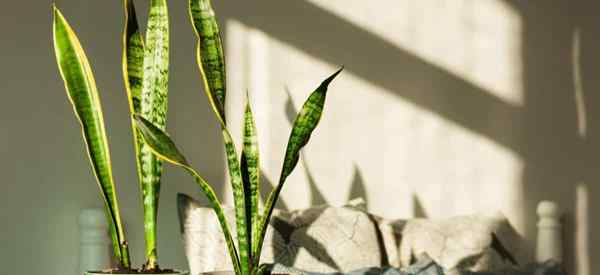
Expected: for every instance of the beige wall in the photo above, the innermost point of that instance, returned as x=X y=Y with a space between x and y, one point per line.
x=446 y=107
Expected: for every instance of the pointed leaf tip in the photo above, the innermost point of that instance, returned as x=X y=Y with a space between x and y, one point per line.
x=160 y=143
x=328 y=80
x=248 y=105
x=210 y=55
x=56 y=12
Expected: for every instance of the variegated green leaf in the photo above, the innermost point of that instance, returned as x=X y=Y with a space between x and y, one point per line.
x=211 y=61
x=133 y=57
x=156 y=65
x=133 y=71
x=158 y=141
x=239 y=200
x=154 y=108
x=250 y=163
x=306 y=121
x=209 y=54
x=163 y=147
x=82 y=92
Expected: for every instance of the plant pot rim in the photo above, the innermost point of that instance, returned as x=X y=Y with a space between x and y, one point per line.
x=229 y=272
x=220 y=272
x=133 y=272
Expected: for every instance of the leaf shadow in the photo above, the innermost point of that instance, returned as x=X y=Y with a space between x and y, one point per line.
x=358 y=189
x=418 y=209
x=288 y=253
x=266 y=186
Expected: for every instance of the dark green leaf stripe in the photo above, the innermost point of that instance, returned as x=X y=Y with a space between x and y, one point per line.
x=247 y=205
x=210 y=55
x=250 y=163
x=133 y=57
x=306 y=121
x=162 y=145
x=82 y=92
x=239 y=200
x=154 y=108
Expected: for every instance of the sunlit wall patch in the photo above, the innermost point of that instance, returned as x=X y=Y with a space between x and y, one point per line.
x=401 y=146
x=479 y=41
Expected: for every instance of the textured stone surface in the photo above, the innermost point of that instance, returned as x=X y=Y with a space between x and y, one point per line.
x=469 y=242
x=328 y=239
x=320 y=239
x=426 y=266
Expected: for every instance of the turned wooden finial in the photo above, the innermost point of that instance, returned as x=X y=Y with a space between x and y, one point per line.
x=549 y=238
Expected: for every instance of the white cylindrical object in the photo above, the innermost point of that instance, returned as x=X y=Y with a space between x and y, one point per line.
x=94 y=242
x=549 y=239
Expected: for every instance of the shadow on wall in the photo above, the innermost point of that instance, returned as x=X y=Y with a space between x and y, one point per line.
x=288 y=256
x=543 y=132
x=357 y=189
x=558 y=155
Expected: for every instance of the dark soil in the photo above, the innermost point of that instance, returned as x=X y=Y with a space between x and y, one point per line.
x=135 y=271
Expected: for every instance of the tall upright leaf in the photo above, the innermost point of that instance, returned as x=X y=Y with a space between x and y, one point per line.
x=250 y=163
x=211 y=61
x=133 y=71
x=83 y=94
x=209 y=54
x=251 y=227
x=239 y=201
x=162 y=145
x=306 y=121
x=154 y=108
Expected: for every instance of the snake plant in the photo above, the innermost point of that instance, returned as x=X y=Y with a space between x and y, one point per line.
x=244 y=174
x=145 y=71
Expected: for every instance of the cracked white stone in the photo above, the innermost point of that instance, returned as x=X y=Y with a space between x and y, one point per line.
x=328 y=239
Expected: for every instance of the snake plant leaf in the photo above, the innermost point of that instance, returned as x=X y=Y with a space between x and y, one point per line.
x=159 y=142
x=305 y=123
x=164 y=148
x=83 y=94
x=133 y=71
x=210 y=58
x=239 y=200
x=209 y=54
x=250 y=163
x=133 y=57
x=154 y=108
x=156 y=65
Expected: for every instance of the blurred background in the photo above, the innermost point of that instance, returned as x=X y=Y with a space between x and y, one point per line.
x=446 y=107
